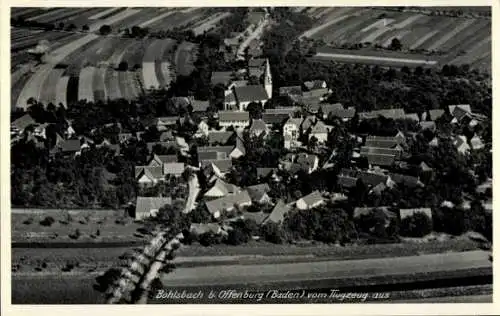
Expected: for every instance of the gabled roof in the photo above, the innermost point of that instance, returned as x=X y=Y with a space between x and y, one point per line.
x=387 y=113
x=403 y=213
x=251 y=93
x=258 y=126
x=257 y=217
x=294 y=121
x=278 y=213
x=460 y=141
x=234 y=116
x=464 y=107
x=228 y=202
x=404 y=180
x=219 y=137
x=161 y=159
x=151 y=172
x=347 y=181
x=380 y=159
x=211 y=155
x=366 y=150
x=424 y=167
x=144 y=205
x=430 y=125
x=23 y=122
x=275 y=118
x=264 y=172
x=343 y=113
x=224 y=165
x=166 y=120
x=291 y=90
x=256 y=192
x=240 y=145
x=283 y=110
x=221 y=149
x=319 y=128
x=412 y=116
x=224 y=187
x=315 y=84
x=312 y=198
x=368 y=178
x=173 y=168
x=200 y=106
x=435 y=114
x=308 y=122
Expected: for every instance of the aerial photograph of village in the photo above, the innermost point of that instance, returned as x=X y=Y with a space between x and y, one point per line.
x=251 y=155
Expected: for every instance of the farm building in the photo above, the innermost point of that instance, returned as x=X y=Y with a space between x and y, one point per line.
x=310 y=201
x=228 y=203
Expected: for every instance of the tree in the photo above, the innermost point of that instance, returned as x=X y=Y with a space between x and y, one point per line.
x=255 y=110
x=85 y=28
x=396 y=44
x=123 y=66
x=273 y=232
x=105 y=29
x=417 y=225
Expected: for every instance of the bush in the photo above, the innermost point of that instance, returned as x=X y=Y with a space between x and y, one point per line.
x=76 y=234
x=105 y=29
x=123 y=66
x=47 y=221
x=208 y=239
x=417 y=225
x=28 y=221
x=273 y=233
x=237 y=236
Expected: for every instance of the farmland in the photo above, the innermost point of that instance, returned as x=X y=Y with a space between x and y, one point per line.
x=445 y=39
x=76 y=64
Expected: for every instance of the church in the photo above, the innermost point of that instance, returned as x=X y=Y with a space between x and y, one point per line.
x=239 y=97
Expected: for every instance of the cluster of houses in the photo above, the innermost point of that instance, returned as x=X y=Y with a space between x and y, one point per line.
x=226 y=144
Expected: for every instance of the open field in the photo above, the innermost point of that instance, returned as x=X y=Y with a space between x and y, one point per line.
x=27 y=227
x=416 y=31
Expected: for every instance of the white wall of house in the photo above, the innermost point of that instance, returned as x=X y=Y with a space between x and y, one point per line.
x=301 y=204
x=215 y=192
x=236 y=153
x=322 y=137
x=234 y=123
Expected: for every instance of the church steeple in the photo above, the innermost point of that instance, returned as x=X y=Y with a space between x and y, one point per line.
x=268 y=80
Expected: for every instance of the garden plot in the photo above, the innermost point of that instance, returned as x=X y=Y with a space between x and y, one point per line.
x=185 y=56
x=440 y=27
x=34 y=39
x=65 y=16
x=469 y=36
x=34 y=85
x=113 y=19
x=210 y=23
x=334 y=18
x=479 y=50
x=61 y=91
x=156 y=18
x=452 y=33
x=136 y=19
x=20 y=12
x=101 y=14
x=178 y=19
x=99 y=86
x=85 y=84
x=48 y=93
x=342 y=33
x=112 y=84
x=47 y=14
x=324 y=11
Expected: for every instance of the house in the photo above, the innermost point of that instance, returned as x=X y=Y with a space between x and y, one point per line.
x=272 y=119
x=214 y=152
x=277 y=215
x=405 y=213
x=382 y=160
x=348 y=178
x=149 y=206
x=258 y=128
x=174 y=168
x=203 y=129
x=220 y=138
x=292 y=128
x=435 y=114
x=320 y=131
x=159 y=160
x=367 y=150
x=257 y=217
x=405 y=180
x=237 y=83
x=310 y=201
x=220 y=189
x=167 y=136
x=315 y=84
x=237 y=119
x=19 y=125
x=308 y=122
x=200 y=106
x=266 y=172
x=383 y=141
x=291 y=91
x=412 y=116
x=149 y=176
x=163 y=123
x=243 y=96
x=343 y=114
x=307 y=162
x=387 y=113
x=217 y=167
x=428 y=125
x=199 y=229
x=259 y=193
x=228 y=203
x=476 y=143
x=460 y=143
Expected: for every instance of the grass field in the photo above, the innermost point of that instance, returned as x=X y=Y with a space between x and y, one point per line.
x=416 y=31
